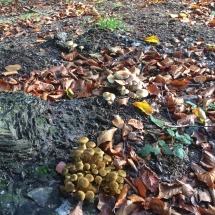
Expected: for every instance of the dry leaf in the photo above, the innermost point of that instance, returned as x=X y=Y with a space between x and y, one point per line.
x=69 y=57
x=178 y=84
x=14 y=67
x=136 y=123
x=133 y=155
x=9 y=73
x=199 y=137
x=153 y=90
x=189 y=120
x=118 y=121
x=4 y=85
x=77 y=210
x=200 y=113
x=144 y=106
x=126 y=131
x=167 y=191
x=123 y=101
x=207 y=211
x=203 y=175
x=141 y=187
x=106 y=136
x=122 y=196
x=105 y=201
x=187 y=190
x=135 y=198
x=207 y=160
x=128 y=207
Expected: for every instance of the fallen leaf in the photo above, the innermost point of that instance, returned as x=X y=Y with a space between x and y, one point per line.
x=118 y=121
x=155 y=204
x=14 y=67
x=105 y=202
x=203 y=175
x=106 y=136
x=69 y=57
x=199 y=137
x=133 y=154
x=152 y=39
x=126 y=131
x=60 y=166
x=153 y=89
x=207 y=160
x=207 y=211
x=141 y=187
x=149 y=178
x=123 y=101
x=9 y=73
x=135 y=198
x=144 y=106
x=188 y=120
x=136 y=123
x=186 y=189
x=107 y=211
x=4 y=85
x=200 y=113
x=167 y=191
x=178 y=84
x=122 y=196
x=77 y=210
x=128 y=207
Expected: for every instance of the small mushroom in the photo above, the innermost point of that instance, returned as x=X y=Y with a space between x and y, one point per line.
x=91 y=144
x=109 y=97
x=89 y=195
x=122 y=74
x=80 y=195
x=98 y=179
x=142 y=93
x=82 y=182
x=111 y=78
x=82 y=142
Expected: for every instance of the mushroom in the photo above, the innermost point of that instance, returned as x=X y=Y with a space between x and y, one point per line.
x=89 y=195
x=142 y=93
x=109 y=97
x=91 y=144
x=80 y=195
x=82 y=142
x=114 y=185
x=98 y=179
x=82 y=182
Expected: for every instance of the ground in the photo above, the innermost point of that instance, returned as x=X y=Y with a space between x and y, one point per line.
x=65 y=121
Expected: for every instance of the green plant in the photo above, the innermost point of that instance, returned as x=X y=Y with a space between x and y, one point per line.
x=6 y=1
x=111 y=23
x=116 y=5
x=41 y=120
x=42 y=169
x=52 y=129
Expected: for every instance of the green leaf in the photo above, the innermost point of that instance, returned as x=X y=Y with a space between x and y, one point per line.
x=171 y=132
x=69 y=93
x=183 y=138
x=193 y=106
x=167 y=150
x=191 y=129
x=147 y=149
x=212 y=13
x=179 y=152
x=161 y=142
x=158 y=122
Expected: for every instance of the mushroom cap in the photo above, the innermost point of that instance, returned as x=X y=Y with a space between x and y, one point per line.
x=67 y=180
x=80 y=195
x=112 y=176
x=74 y=177
x=79 y=165
x=65 y=171
x=98 y=179
x=108 y=169
x=114 y=185
x=72 y=169
x=121 y=173
x=89 y=177
x=80 y=174
x=68 y=165
x=67 y=175
x=83 y=182
x=89 y=195
x=94 y=171
x=89 y=151
x=86 y=166
x=98 y=151
x=101 y=165
x=120 y=179
x=107 y=158
x=91 y=144
x=93 y=166
x=122 y=74
x=99 y=158
x=142 y=93
x=69 y=187
x=102 y=172
x=82 y=141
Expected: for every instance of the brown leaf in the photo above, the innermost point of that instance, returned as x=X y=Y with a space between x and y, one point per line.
x=207 y=211
x=45 y=87
x=106 y=136
x=69 y=57
x=118 y=121
x=119 y=162
x=118 y=147
x=136 y=123
x=149 y=178
x=155 y=204
x=178 y=84
x=4 y=85
x=199 y=137
x=207 y=177
x=122 y=196
x=9 y=73
x=135 y=198
x=128 y=207
x=141 y=187
x=107 y=211
x=77 y=210
x=189 y=120
x=171 y=101
x=105 y=201
x=125 y=132
x=133 y=155
x=167 y=191
x=209 y=91
x=187 y=190
x=123 y=101
x=207 y=160
x=153 y=89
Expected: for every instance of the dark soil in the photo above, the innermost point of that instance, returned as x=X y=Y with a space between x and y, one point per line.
x=68 y=120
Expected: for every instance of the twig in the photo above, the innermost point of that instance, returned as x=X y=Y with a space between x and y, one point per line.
x=131 y=185
x=34 y=11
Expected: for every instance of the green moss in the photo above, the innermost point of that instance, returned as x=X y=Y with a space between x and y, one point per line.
x=6 y=1
x=42 y=169
x=41 y=120
x=29 y=15
x=52 y=129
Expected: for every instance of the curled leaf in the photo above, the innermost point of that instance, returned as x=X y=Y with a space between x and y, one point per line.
x=106 y=136
x=144 y=106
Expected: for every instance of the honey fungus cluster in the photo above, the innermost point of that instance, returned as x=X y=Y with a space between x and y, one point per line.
x=90 y=172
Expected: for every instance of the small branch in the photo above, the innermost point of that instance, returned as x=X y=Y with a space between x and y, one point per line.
x=131 y=185
x=31 y=10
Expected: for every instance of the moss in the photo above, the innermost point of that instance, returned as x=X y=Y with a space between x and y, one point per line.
x=42 y=169
x=52 y=129
x=41 y=120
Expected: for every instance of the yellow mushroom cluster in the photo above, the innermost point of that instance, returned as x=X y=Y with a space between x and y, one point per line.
x=90 y=172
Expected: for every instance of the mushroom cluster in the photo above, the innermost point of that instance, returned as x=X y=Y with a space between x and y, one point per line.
x=126 y=81
x=90 y=172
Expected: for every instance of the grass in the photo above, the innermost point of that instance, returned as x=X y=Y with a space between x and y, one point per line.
x=111 y=23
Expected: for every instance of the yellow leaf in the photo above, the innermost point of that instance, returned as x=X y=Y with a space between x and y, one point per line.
x=200 y=114
x=144 y=106
x=183 y=15
x=79 y=11
x=152 y=39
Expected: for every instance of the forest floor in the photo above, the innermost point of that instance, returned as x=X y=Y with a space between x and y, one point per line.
x=32 y=35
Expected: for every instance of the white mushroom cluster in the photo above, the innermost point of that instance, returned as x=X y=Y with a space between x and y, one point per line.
x=126 y=82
